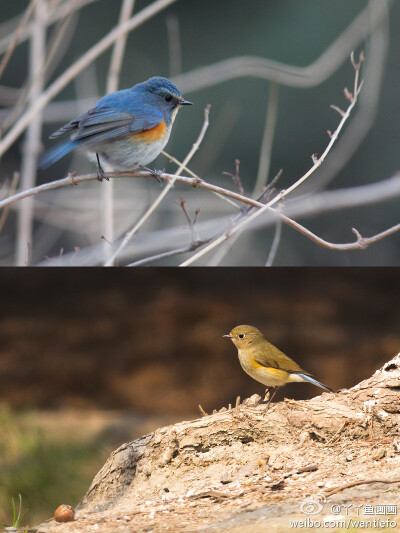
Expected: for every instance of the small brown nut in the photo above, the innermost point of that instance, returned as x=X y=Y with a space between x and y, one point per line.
x=64 y=513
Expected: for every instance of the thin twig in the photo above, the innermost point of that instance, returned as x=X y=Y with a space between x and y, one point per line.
x=178 y=163
x=361 y=243
x=227 y=245
x=162 y=195
x=195 y=242
x=16 y=36
x=62 y=33
x=275 y=243
x=225 y=248
x=203 y=413
x=57 y=14
x=171 y=253
x=365 y=114
x=236 y=177
x=357 y=483
x=162 y=255
x=191 y=223
x=11 y=192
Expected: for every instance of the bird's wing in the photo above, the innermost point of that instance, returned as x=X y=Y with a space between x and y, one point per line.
x=102 y=124
x=272 y=357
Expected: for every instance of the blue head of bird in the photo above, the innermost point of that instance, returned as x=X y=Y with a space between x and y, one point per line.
x=162 y=94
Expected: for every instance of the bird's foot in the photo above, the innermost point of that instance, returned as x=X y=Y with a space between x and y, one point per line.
x=100 y=172
x=269 y=395
x=101 y=176
x=155 y=173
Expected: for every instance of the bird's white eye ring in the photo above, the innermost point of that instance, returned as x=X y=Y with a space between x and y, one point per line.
x=241 y=336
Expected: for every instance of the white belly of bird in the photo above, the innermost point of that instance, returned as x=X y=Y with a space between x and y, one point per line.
x=122 y=154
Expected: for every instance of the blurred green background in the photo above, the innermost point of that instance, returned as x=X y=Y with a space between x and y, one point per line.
x=90 y=359
x=287 y=31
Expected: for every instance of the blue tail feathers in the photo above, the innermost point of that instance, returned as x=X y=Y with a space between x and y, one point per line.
x=315 y=382
x=57 y=152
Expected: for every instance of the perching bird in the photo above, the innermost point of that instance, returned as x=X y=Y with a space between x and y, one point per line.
x=126 y=129
x=265 y=363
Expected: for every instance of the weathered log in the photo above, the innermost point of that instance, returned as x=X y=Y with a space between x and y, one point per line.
x=249 y=456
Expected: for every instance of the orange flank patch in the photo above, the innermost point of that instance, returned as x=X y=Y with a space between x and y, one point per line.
x=276 y=372
x=154 y=134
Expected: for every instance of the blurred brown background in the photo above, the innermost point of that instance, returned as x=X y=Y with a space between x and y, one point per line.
x=151 y=340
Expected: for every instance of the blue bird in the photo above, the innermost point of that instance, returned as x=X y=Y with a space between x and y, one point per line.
x=126 y=129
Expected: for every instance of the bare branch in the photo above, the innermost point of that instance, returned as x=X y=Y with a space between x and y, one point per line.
x=192 y=182
x=163 y=255
x=367 y=107
x=191 y=223
x=178 y=163
x=333 y=200
x=335 y=490
x=360 y=244
x=195 y=243
x=340 y=111
x=283 y=194
x=236 y=177
x=275 y=243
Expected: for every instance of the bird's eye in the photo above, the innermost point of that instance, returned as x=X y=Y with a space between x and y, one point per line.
x=241 y=336
x=168 y=98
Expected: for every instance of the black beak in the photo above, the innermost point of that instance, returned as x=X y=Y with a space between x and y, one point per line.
x=185 y=102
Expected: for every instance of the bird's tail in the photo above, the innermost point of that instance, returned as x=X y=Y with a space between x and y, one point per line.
x=315 y=382
x=57 y=152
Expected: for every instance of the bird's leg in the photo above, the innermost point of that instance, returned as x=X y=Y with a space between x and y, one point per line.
x=155 y=173
x=100 y=171
x=268 y=391
x=271 y=396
